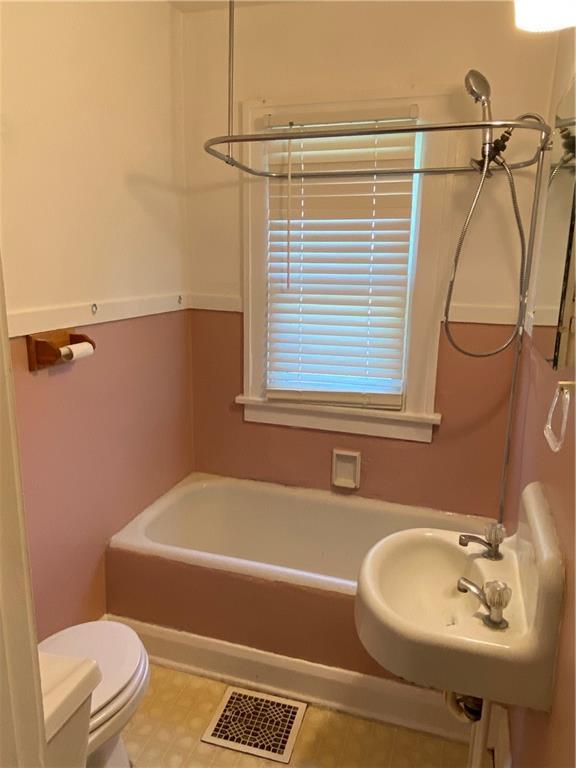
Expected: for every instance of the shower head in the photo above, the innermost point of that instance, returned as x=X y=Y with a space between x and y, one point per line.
x=479 y=88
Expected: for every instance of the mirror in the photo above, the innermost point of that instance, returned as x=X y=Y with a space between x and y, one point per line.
x=553 y=331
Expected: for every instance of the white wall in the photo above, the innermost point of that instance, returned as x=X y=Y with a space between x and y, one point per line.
x=92 y=195
x=99 y=203
x=340 y=51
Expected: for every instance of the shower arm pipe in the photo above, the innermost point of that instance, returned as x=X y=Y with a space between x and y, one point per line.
x=565 y=122
x=532 y=234
x=530 y=122
x=230 y=72
x=520 y=337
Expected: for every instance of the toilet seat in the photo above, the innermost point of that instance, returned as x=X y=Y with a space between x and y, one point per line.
x=123 y=662
x=117 y=719
x=116 y=648
x=106 y=712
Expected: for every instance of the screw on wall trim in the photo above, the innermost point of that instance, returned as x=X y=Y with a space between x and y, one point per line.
x=94 y=308
x=179 y=299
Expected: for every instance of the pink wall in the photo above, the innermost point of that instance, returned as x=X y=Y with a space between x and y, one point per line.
x=458 y=471
x=99 y=440
x=102 y=438
x=543 y=740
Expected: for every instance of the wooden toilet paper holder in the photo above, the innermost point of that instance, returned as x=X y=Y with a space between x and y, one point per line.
x=44 y=348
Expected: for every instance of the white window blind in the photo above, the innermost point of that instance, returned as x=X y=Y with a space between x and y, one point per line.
x=339 y=261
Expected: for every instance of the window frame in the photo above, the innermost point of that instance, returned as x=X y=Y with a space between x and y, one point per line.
x=417 y=418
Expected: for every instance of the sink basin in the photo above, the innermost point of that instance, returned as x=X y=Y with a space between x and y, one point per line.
x=412 y=619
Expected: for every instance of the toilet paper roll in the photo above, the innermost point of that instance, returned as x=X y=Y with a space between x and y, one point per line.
x=77 y=351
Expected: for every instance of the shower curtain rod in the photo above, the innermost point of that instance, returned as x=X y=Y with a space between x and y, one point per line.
x=531 y=122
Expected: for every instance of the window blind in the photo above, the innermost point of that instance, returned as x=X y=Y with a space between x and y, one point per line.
x=338 y=269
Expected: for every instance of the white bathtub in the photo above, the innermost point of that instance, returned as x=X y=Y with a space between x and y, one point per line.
x=302 y=537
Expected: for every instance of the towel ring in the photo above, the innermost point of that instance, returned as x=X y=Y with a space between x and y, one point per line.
x=563 y=392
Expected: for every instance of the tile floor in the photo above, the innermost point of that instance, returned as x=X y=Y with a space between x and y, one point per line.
x=165 y=733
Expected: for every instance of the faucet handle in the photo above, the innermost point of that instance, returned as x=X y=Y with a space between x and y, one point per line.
x=495 y=534
x=497 y=594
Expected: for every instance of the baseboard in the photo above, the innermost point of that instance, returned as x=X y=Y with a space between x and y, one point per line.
x=358 y=694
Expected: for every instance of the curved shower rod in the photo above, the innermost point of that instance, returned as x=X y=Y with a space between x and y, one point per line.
x=531 y=122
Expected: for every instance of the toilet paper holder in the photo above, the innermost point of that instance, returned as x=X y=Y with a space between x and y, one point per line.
x=45 y=349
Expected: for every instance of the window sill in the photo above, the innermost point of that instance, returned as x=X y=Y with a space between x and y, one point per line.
x=399 y=425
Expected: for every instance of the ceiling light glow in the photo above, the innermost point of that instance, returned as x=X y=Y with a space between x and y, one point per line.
x=545 y=15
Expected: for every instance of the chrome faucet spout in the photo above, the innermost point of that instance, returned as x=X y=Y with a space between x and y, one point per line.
x=465 y=585
x=466 y=538
x=494 y=596
x=495 y=535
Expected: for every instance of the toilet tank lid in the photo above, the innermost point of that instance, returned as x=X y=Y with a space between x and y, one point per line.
x=116 y=649
x=66 y=684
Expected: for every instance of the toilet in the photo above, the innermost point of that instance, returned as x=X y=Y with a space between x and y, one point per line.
x=123 y=662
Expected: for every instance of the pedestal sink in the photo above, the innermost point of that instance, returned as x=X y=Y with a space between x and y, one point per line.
x=413 y=620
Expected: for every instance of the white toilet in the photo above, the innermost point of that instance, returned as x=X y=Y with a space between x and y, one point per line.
x=123 y=662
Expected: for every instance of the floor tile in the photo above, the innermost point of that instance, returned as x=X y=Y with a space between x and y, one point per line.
x=166 y=730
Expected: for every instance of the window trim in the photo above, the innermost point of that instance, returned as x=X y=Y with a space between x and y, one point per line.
x=336 y=418
x=417 y=419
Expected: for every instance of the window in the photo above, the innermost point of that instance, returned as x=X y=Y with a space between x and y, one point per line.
x=332 y=341
x=340 y=253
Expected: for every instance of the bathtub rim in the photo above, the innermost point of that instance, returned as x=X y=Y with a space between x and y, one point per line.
x=133 y=538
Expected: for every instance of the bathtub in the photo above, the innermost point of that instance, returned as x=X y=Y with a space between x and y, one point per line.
x=258 y=564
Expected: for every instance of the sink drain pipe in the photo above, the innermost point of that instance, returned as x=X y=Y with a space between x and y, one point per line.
x=477 y=711
x=467 y=709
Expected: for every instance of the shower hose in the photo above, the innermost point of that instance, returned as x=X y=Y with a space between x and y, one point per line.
x=521 y=287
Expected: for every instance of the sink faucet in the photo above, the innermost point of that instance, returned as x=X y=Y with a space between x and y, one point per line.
x=495 y=534
x=494 y=596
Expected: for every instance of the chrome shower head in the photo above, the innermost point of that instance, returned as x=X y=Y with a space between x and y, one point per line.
x=477 y=86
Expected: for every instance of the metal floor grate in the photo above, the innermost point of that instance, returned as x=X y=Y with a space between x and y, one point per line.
x=256 y=723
